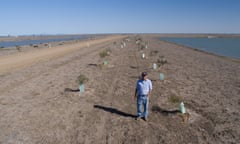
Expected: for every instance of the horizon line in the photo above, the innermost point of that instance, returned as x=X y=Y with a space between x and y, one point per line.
x=12 y=35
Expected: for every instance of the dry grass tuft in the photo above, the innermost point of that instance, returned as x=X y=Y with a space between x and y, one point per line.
x=174 y=99
x=81 y=79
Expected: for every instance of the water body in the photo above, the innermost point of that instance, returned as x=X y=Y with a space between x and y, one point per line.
x=229 y=47
x=28 y=42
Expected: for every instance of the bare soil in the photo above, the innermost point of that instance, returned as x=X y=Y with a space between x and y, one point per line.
x=40 y=101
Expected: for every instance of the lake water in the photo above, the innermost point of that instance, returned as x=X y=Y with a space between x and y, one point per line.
x=229 y=47
x=28 y=42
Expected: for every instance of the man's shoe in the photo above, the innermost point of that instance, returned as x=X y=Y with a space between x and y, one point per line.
x=138 y=118
x=145 y=119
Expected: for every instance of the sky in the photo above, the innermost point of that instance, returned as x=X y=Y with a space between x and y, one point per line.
x=26 y=17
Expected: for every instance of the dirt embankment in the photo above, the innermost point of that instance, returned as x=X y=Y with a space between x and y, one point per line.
x=41 y=103
x=20 y=60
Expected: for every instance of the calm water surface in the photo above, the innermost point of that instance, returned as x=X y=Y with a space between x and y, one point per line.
x=229 y=47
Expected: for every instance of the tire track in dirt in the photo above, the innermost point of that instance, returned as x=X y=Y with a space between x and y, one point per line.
x=119 y=123
x=90 y=121
x=21 y=60
x=112 y=97
x=50 y=99
x=128 y=128
x=112 y=100
x=51 y=68
x=84 y=116
x=99 y=121
x=118 y=110
x=124 y=128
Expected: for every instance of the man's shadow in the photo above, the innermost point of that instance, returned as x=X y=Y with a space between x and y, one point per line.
x=114 y=111
x=164 y=111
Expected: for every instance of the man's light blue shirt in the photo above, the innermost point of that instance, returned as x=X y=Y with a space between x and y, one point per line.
x=143 y=86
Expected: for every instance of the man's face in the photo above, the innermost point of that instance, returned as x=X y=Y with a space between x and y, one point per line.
x=144 y=77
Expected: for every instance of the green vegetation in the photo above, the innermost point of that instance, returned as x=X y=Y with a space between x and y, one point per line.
x=174 y=99
x=137 y=38
x=18 y=48
x=162 y=60
x=81 y=79
x=105 y=53
x=35 y=46
x=141 y=46
x=153 y=53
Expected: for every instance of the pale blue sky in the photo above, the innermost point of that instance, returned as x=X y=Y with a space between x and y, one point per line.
x=19 y=17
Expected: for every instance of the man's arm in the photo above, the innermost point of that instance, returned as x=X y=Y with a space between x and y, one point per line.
x=150 y=88
x=149 y=93
x=135 y=95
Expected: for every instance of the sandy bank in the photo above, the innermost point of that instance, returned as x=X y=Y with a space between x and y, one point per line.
x=20 y=60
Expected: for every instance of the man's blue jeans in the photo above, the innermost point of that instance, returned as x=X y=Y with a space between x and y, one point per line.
x=142 y=100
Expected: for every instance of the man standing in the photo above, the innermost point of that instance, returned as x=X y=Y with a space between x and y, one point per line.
x=142 y=93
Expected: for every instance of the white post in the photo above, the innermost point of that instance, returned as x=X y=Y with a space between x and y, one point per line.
x=161 y=76
x=182 y=108
x=154 y=66
x=81 y=88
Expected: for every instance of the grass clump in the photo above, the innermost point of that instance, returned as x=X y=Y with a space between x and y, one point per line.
x=18 y=48
x=35 y=46
x=81 y=79
x=105 y=53
x=175 y=99
x=162 y=60
x=153 y=53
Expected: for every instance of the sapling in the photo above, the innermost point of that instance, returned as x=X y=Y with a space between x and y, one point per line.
x=18 y=48
x=162 y=60
x=81 y=80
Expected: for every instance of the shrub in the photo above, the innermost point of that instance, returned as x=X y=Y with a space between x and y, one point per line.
x=18 y=48
x=153 y=53
x=162 y=60
x=142 y=46
x=81 y=79
x=105 y=53
x=138 y=39
x=174 y=99
x=35 y=46
x=108 y=50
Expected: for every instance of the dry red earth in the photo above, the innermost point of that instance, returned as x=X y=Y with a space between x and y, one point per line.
x=39 y=102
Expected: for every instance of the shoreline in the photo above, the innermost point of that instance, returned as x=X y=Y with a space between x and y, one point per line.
x=205 y=52
x=45 y=40
x=193 y=35
x=44 y=37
